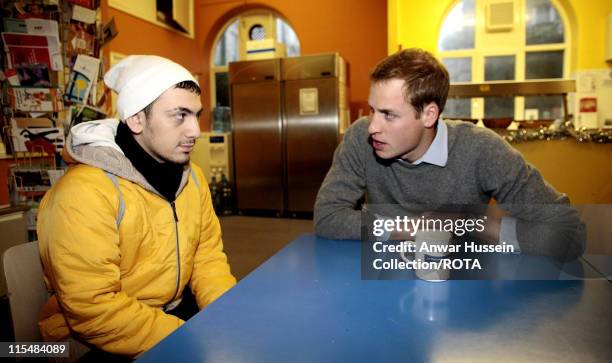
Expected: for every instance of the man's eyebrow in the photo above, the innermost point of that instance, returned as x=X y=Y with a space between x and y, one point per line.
x=186 y=110
x=383 y=110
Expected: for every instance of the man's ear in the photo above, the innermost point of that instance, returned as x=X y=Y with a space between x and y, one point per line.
x=430 y=114
x=136 y=122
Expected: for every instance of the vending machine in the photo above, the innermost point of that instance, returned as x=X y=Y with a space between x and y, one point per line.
x=213 y=153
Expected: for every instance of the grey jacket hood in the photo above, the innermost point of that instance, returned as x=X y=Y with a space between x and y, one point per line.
x=93 y=143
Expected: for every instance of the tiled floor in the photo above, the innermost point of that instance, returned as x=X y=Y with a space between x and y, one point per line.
x=248 y=242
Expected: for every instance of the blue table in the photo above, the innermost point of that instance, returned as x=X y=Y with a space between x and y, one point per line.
x=308 y=303
x=600 y=263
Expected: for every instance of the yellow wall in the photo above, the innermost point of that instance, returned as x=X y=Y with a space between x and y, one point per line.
x=591 y=18
x=392 y=26
x=416 y=24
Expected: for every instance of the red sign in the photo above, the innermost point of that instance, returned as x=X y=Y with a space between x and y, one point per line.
x=588 y=104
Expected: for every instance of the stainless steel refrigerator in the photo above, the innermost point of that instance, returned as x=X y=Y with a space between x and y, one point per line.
x=286 y=118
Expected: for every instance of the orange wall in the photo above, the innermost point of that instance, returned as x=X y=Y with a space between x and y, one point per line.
x=357 y=29
x=137 y=36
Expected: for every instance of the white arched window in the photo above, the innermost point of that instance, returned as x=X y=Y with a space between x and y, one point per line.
x=504 y=40
x=230 y=45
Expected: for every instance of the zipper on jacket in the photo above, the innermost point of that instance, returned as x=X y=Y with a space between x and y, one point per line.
x=178 y=253
x=174 y=212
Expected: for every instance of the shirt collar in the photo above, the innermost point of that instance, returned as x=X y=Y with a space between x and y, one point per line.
x=437 y=153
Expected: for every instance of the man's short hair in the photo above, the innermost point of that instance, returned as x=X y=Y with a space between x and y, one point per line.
x=186 y=85
x=425 y=78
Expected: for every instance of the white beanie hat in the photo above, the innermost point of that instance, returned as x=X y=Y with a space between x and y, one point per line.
x=141 y=79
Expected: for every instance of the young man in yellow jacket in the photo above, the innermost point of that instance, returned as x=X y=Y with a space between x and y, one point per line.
x=131 y=227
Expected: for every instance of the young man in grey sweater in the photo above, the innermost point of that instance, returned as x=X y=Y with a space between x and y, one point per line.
x=403 y=154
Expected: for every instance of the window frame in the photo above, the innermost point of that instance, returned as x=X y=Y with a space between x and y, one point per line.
x=519 y=49
x=214 y=69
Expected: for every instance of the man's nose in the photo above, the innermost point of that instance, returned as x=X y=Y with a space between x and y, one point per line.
x=374 y=126
x=193 y=127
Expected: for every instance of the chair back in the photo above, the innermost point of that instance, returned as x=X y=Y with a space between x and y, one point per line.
x=26 y=290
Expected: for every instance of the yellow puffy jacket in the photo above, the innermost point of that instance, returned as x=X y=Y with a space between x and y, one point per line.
x=111 y=279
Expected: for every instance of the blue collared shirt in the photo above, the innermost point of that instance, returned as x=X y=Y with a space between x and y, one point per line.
x=437 y=154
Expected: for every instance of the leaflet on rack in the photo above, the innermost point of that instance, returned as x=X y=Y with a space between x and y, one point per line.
x=84 y=75
x=35 y=99
x=28 y=49
x=36 y=134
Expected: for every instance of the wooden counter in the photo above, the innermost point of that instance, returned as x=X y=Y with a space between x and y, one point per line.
x=582 y=170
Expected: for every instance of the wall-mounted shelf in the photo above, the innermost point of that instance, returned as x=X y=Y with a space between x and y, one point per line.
x=524 y=88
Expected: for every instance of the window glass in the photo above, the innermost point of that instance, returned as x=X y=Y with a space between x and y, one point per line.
x=222 y=88
x=548 y=64
x=227 y=49
x=499 y=68
x=459 y=69
x=543 y=23
x=458 y=28
x=286 y=35
x=495 y=107
x=548 y=107
x=457 y=108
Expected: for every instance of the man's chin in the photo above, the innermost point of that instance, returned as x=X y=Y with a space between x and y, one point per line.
x=384 y=155
x=181 y=160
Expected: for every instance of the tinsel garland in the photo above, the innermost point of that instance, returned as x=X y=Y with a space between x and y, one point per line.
x=561 y=132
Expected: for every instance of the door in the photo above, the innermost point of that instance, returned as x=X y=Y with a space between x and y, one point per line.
x=256 y=128
x=311 y=133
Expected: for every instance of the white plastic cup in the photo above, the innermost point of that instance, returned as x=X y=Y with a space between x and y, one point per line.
x=423 y=240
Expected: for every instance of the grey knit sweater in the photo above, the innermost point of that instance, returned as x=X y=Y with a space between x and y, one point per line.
x=480 y=166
